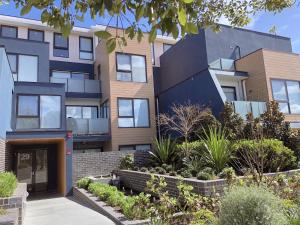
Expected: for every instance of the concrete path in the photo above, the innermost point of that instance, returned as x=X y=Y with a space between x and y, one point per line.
x=62 y=211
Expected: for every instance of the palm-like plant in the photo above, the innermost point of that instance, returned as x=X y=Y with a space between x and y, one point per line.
x=164 y=151
x=217 y=153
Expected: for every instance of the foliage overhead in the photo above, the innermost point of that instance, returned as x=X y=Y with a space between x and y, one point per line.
x=172 y=17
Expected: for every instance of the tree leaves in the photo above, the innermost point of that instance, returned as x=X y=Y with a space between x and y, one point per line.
x=26 y=9
x=182 y=16
x=103 y=34
x=152 y=34
x=111 y=45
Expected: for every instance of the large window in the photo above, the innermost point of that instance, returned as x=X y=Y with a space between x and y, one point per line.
x=34 y=111
x=35 y=35
x=104 y=110
x=60 y=46
x=131 y=68
x=140 y=147
x=86 y=112
x=68 y=74
x=9 y=31
x=166 y=47
x=85 y=48
x=287 y=94
x=133 y=112
x=24 y=67
x=230 y=93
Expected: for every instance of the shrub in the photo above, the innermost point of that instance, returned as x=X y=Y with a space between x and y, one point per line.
x=166 y=167
x=8 y=184
x=217 y=152
x=203 y=217
x=160 y=170
x=116 y=198
x=127 y=162
x=135 y=168
x=227 y=173
x=208 y=170
x=127 y=207
x=252 y=205
x=84 y=182
x=204 y=176
x=164 y=151
x=152 y=170
x=274 y=155
x=186 y=174
x=173 y=173
x=194 y=146
x=144 y=169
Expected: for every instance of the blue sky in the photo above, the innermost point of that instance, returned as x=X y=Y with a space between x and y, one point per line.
x=287 y=22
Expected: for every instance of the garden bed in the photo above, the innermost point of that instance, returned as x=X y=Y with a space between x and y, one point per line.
x=136 y=181
x=88 y=199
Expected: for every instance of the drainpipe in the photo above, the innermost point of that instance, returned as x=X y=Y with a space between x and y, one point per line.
x=244 y=89
x=158 y=122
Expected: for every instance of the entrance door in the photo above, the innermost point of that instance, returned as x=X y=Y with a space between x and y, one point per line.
x=32 y=168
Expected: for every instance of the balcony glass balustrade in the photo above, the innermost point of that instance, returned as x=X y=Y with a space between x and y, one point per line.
x=78 y=86
x=79 y=126
x=244 y=107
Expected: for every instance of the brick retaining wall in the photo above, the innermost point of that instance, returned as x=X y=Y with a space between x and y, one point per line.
x=137 y=181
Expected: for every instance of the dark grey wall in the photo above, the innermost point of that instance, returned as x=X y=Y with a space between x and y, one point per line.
x=28 y=47
x=223 y=44
x=184 y=59
x=73 y=67
x=195 y=90
x=40 y=89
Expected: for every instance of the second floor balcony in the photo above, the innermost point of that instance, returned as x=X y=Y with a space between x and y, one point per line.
x=82 y=126
x=244 y=107
x=79 y=86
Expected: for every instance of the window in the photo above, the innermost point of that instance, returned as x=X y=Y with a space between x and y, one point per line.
x=287 y=94
x=166 y=47
x=104 y=110
x=86 y=48
x=68 y=74
x=82 y=112
x=153 y=53
x=141 y=147
x=133 y=112
x=34 y=111
x=9 y=31
x=35 y=35
x=24 y=67
x=295 y=125
x=60 y=46
x=131 y=68
x=230 y=93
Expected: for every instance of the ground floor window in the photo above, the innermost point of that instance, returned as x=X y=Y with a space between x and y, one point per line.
x=230 y=93
x=141 y=147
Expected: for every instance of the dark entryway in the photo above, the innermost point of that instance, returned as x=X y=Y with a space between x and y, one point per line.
x=36 y=165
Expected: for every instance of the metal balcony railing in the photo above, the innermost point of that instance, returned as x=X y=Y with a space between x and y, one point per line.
x=97 y=126
x=245 y=107
x=79 y=86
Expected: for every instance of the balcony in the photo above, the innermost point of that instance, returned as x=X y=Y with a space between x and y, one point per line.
x=97 y=126
x=245 y=107
x=223 y=64
x=79 y=86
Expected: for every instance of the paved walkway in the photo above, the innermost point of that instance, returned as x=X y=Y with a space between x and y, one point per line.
x=62 y=211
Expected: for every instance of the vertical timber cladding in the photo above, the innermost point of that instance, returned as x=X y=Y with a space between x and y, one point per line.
x=129 y=136
x=2 y=154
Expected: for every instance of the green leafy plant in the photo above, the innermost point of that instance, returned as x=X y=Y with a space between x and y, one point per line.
x=84 y=182
x=204 y=176
x=164 y=151
x=144 y=169
x=186 y=174
x=203 y=217
x=160 y=170
x=8 y=184
x=173 y=173
x=127 y=162
x=217 y=152
x=254 y=205
x=227 y=173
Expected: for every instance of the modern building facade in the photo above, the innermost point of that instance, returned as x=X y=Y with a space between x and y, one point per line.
x=63 y=95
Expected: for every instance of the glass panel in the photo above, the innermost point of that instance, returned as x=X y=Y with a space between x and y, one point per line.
x=60 y=52
x=166 y=47
x=242 y=108
x=143 y=147
x=279 y=92
x=27 y=123
x=28 y=106
x=124 y=76
x=125 y=122
x=284 y=107
x=86 y=55
x=35 y=35
x=152 y=53
x=86 y=44
x=123 y=62
x=24 y=167
x=227 y=64
x=9 y=31
x=50 y=111
x=89 y=112
x=295 y=125
x=28 y=68
x=138 y=69
x=61 y=74
x=141 y=113
x=80 y=76
x=41 y=173
x=125 y=107
x=12 y=62
x=126 y=147
x=60 y=41
x=294 y=96
x=229 y=93
x=74 y=112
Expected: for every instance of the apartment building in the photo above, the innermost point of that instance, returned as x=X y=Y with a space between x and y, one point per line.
x=244 y=67
x=63 y=95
